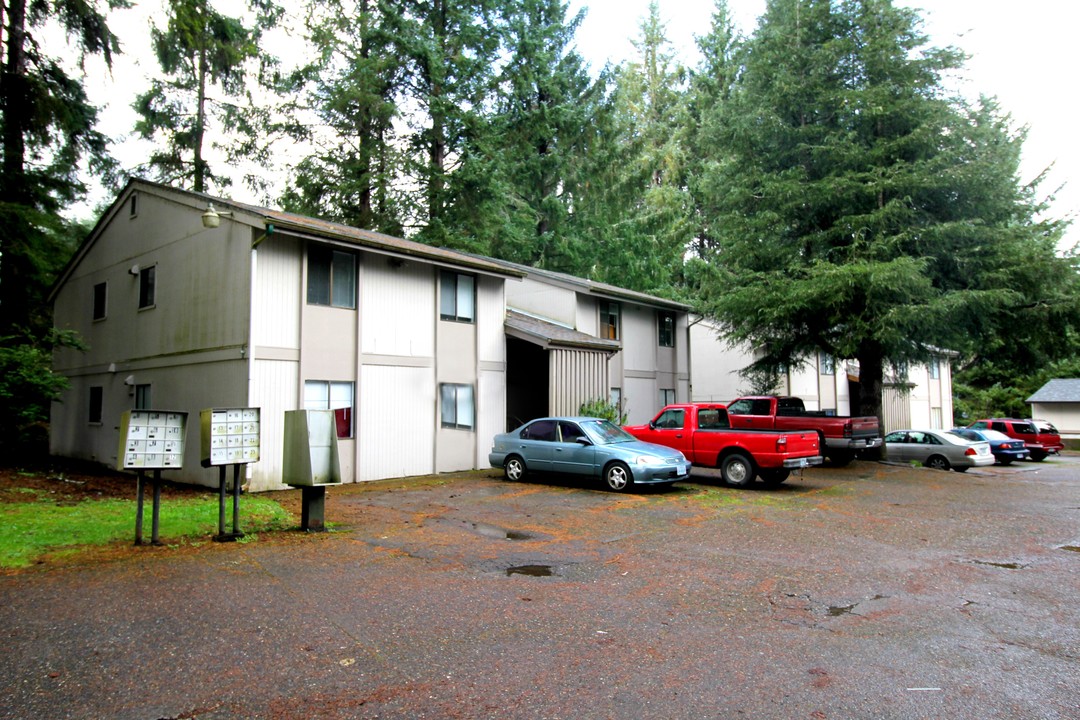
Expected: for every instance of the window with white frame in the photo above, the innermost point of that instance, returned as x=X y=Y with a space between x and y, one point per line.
x=935 y=369
x=667 y=396
x=457 y=296
x=458 y=406
x=332 y=395
x=331 y=277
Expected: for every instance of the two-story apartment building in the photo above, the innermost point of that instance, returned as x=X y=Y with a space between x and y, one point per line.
x=918 y=396
x=189 y=302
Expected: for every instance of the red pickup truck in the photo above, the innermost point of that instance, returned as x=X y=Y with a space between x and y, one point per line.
x=1040 y=437
x=840 y=437
x=704 y=435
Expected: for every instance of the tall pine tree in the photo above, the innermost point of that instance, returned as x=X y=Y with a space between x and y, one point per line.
x=48 y=129
x=549 y=118
x=859 y=210
x=201 y=50
x=351 y=87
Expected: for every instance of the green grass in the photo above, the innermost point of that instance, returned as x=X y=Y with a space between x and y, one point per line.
x=29 y=530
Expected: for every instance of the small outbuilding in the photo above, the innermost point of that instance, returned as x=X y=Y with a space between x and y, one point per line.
x=1058 y=402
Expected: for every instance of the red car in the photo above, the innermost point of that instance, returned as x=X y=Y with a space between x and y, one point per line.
x=1040 y=437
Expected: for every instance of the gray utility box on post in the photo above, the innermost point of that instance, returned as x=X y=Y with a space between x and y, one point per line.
x=311 y=461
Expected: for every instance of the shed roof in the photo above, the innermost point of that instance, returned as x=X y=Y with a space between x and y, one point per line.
x=1058 y=391
x=551 y=335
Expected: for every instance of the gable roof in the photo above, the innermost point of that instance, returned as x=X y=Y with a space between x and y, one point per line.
x=1057 y=391
x=294 y=224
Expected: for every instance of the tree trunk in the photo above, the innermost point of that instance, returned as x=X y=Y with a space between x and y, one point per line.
x=871 y=374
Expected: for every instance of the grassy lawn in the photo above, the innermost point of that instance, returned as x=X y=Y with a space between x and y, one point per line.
x=39 y=525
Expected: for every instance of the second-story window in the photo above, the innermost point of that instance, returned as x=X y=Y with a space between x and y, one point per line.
x=101 y=296
x=609 y=320
x=331 y=277
x=665 y=321
x=457 y=297
x=827 y=363
x=147 y=286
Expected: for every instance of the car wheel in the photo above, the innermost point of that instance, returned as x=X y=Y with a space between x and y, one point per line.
x=514 y=469
x=772 y=478
x=1038 y=456
x=936 y=462
x=617 y=476
x=737 y=469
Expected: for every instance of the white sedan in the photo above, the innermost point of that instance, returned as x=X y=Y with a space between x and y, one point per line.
x=938 y=449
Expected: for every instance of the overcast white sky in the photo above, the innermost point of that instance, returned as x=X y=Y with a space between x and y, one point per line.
x=1023 y=53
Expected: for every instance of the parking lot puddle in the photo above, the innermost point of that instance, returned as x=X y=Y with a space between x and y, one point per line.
x=1005 y=565
x=530 y=570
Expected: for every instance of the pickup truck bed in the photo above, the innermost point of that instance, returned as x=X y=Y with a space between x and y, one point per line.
x=841 y=437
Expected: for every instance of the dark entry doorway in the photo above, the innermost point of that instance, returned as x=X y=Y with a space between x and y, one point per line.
x=526 y=382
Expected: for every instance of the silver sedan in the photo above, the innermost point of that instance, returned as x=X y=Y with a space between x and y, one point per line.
x=938 y=449
x=586 y=446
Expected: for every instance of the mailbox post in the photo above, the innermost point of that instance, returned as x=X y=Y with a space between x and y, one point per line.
x=230 y=436
x=311 y=462
x=151 y=440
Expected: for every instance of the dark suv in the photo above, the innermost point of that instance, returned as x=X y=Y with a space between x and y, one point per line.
x=1040 y=437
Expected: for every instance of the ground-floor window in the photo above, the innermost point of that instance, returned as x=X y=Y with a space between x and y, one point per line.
x=332 y=395
x=667 y=396
x=458 y=406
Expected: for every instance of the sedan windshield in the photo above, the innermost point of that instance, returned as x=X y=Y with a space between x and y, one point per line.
x=605 y=432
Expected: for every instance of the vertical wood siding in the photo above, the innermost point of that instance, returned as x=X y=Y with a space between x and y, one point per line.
x=395 y=434
x=273 y=390
x=277 y=301
x=576 y=376
x=398 y=309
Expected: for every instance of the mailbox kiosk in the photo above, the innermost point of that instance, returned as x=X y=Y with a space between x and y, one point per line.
x=230 y=436
x=151 y=440
x=311 y=461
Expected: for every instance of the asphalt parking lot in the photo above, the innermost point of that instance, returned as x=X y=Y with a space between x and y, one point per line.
x=870 y=591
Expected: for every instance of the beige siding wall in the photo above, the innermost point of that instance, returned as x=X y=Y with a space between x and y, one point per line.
x=1064 y=416
x=274 y=390
x=190 y=346
x=397 y=420
x=544 y=300
x=399 y=308
x=277 y=299
x=715 y=366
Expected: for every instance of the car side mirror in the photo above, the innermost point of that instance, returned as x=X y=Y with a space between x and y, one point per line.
x=652 y=424
x=583 y=441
